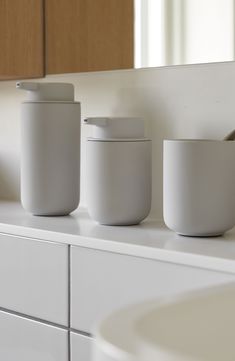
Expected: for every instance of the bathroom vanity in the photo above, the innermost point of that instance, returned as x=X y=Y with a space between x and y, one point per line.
x=59 y=275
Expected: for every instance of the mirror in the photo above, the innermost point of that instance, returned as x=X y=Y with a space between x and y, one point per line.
x=174 y=32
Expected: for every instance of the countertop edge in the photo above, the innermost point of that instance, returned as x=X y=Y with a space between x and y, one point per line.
x=171 y=256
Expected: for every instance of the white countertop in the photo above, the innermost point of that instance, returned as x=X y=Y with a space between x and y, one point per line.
x=151 y=239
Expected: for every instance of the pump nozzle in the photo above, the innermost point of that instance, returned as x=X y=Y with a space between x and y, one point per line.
x=27 y=85
x=111 y=128
x=56 y=92
x=100 y=122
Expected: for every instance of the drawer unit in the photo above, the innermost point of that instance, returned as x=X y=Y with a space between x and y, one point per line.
x=25 y=340
x=103 y=281
x=81 y=347
x=34 y=278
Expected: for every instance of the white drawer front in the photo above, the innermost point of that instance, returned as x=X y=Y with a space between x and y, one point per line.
x=103 y=281
x=26 y=340
x=34 y=278
x=81 y=347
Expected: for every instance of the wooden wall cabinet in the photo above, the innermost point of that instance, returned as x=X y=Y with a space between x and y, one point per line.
x=88 y=35
x=39 y=37
x=21 y=39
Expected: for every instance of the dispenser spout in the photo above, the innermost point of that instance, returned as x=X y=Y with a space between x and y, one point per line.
x=31 y=86
x=100 y=122
x=116 y=128
x=48 y=92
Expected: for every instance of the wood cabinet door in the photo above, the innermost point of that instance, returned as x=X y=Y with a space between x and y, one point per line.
x=88 y=35
x=21 y=39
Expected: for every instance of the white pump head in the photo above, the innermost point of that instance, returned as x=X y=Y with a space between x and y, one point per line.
x=47 y=91
x=118 y=128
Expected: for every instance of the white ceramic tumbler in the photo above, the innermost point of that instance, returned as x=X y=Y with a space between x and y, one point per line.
x=50 y=149
x=198 y=186
x=118 y=171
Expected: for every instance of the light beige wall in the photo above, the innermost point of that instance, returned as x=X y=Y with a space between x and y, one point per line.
x=181 y=102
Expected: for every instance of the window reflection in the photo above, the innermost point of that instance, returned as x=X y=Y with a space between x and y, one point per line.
x=171 y=32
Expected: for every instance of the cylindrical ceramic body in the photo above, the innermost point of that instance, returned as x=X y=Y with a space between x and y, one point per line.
x=119 y=180
x=199 y=179
x=50 y=157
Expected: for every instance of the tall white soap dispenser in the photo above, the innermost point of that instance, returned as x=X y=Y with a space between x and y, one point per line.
x=118 y=171
x=50 y=149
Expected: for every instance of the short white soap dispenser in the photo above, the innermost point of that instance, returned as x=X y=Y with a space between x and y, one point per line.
x=118 y=171
x=50 y=149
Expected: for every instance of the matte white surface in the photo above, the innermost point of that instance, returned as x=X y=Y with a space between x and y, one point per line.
x=47 y=91
x=198 y=186
x=26 y=340
x=151 y=239
x=102 y=282
x=81 y=347
x=34 y=278
x=119 y=180
x=195 y=326
x=116 y=128
x=50 y=157
x=194 y=101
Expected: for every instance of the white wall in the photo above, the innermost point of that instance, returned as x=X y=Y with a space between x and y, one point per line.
x=208 y=31
x=181 y=102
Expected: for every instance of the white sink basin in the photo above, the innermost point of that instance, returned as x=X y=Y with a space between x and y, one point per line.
x=198 y=326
